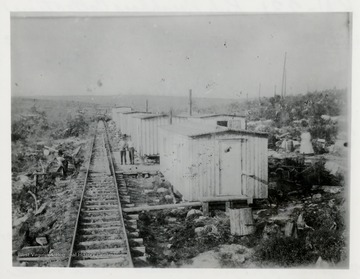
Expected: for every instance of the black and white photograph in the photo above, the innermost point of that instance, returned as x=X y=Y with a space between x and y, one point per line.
x=181 y=140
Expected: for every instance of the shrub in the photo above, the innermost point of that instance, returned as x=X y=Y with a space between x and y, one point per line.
x=76 y=126
x=285 y=251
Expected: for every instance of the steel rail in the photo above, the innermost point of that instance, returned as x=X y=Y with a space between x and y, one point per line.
x=131 y=264
x=81 y=202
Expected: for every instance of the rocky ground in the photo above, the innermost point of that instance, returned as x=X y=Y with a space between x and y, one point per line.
x=305 y=232
x=51 y=226
x=297 y=226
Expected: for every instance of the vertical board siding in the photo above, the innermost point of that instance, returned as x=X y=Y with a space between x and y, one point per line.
x=192 y=164
x=256 y=165
x=144 y=131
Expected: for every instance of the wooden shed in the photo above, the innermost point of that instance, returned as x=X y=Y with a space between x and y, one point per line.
x=124 y=121
x=204 y=161
x=115 y=113
x=227 y=120
x=143 y=129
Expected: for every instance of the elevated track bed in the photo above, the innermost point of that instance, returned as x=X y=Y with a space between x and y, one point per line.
x=100 y=237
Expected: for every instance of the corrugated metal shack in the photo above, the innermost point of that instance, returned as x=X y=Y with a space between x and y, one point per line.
x=115 y=113
x=143 y=129
x=237 y=122
x=203 y=161
x=124 y=121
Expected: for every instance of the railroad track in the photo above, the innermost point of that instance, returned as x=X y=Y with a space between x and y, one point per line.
x=100 y=237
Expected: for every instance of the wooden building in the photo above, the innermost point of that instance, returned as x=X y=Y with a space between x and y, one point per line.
x=143 y=129
x=124 y=122
x=237 y=122
x=115 y=113
x=204 y=161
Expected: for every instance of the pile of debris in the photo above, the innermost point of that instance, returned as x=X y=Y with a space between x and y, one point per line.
x=45 y=208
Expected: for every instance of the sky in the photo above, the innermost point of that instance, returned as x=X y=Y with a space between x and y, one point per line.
x=226 y=56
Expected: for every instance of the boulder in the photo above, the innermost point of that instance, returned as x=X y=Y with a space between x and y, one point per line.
x=316 y=198
x=211 y=229
x=331 y=203
x=201 y=218
x=177 y=194
x=171 y=220
x=42 y=240
x=199 y=230
x=194 y=212
x=166 y=184
x=162 y=190
x=169 y=198
x=332 y=189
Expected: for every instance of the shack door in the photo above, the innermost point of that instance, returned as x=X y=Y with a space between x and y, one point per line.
x=230 y=167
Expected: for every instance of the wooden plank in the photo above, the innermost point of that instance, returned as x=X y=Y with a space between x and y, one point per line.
x=241 y=221
x=205 y=208
x=243 y=166
x=41 y=259
x=224 y=198
x=160 y=207
x=247 y=169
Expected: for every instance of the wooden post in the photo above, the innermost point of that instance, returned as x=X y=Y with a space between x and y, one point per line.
x=147 y=105
x=205 y=208
x=190 y=102
x=227 y=206
x=170 y=119
x=241 y=221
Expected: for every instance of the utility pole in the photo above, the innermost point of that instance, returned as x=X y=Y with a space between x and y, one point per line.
x=247 y=101
x=190 y=102
x=283 y=81
x=259 y=90
x=274 y=90
x=170 y=118
x=147 y=105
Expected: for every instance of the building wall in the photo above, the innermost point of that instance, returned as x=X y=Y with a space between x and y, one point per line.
x=234 y=122
x=175 y=161
x=192 y=165
x=125 y=122
x=144 y=133
x=116 y=114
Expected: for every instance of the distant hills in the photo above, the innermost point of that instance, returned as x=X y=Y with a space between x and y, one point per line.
x=157 y=104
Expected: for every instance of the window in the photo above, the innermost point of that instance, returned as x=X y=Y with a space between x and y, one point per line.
x=222 y=123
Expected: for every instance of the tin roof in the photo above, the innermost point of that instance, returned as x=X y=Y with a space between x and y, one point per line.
x=191 y=129
x=194 y=129
x=149 y=115
x=132 y=112
x=212 y=115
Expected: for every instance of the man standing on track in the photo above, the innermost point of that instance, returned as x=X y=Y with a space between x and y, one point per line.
x=123 y=147
x=131 y=151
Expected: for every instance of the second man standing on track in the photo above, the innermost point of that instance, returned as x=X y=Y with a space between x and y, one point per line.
x=123 y=147
x=131 y=149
